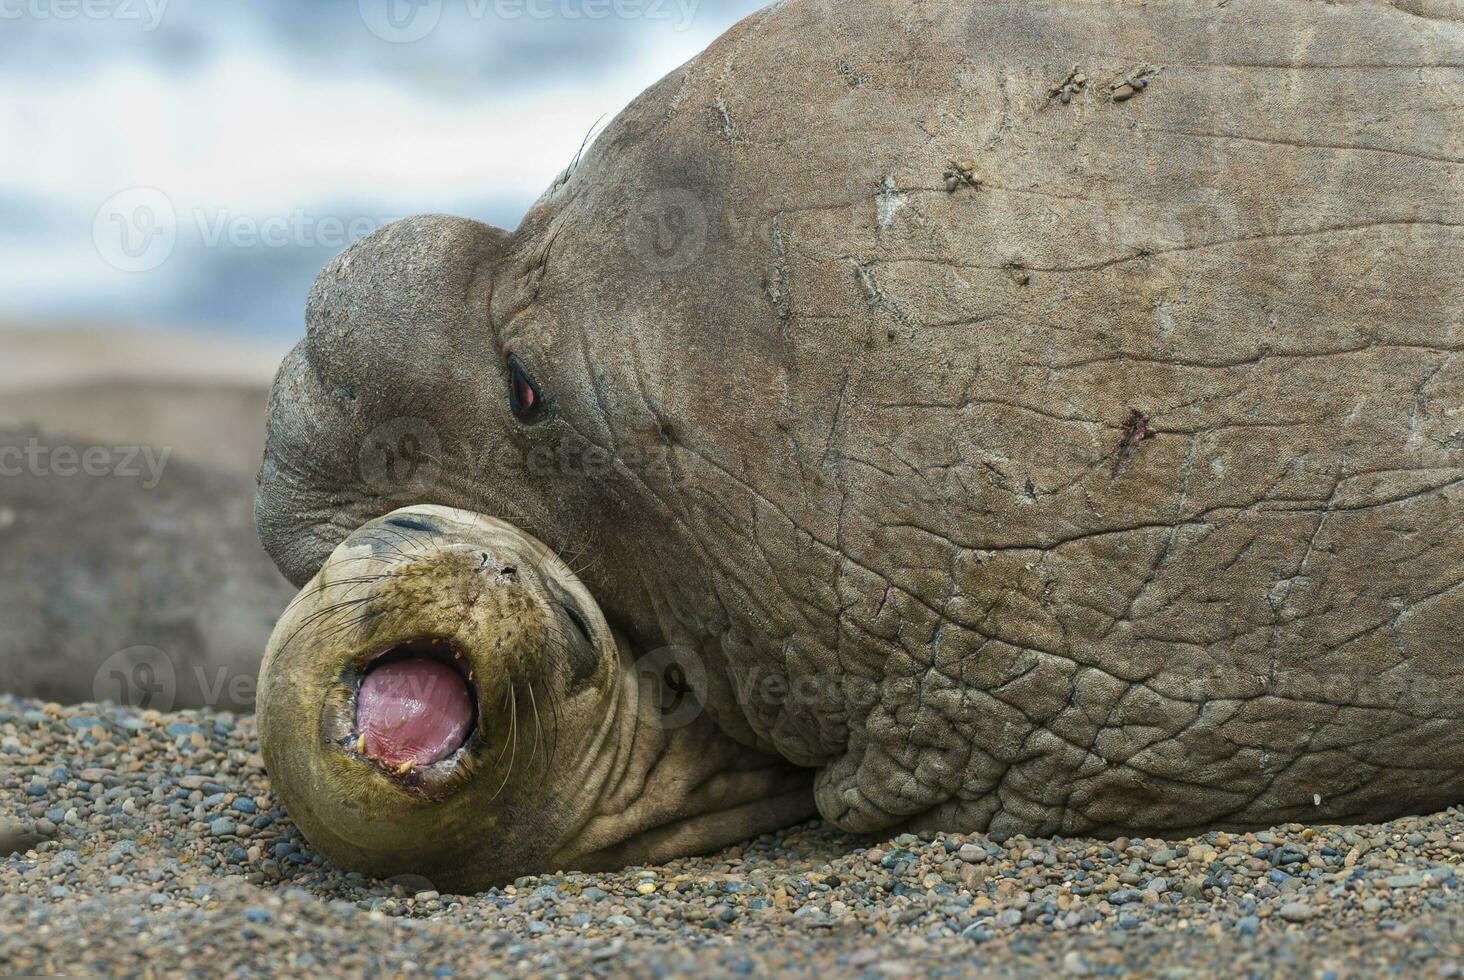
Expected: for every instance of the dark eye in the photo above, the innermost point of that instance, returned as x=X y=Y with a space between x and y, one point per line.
x=523 y=394
x=578 y=620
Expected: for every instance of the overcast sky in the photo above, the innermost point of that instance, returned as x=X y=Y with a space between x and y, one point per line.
x=193 y=163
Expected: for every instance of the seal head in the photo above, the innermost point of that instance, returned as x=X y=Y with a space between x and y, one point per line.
x=446 y=699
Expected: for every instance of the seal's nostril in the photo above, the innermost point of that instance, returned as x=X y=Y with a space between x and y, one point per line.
x=509 y=571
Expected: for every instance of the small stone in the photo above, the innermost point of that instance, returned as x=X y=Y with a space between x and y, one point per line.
x=1296 y=912
x=1123 y=92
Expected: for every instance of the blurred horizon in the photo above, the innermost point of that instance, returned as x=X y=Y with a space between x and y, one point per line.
x=175 y=164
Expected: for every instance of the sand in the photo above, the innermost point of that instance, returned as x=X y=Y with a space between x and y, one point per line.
x=150 y=844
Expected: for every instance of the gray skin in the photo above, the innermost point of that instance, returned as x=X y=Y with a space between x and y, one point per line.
x=1016 y=454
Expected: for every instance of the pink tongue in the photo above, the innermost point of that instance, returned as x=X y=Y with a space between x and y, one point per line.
x=413 y=710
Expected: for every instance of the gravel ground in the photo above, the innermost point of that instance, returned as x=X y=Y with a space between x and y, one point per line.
x=147 y=844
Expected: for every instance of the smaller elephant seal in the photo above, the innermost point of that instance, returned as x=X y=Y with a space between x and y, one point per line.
x=445 y=699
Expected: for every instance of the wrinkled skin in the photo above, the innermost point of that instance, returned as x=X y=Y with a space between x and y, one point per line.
x=1119 y=492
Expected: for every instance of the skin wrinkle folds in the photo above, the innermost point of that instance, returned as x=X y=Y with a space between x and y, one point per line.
x=1114 y=491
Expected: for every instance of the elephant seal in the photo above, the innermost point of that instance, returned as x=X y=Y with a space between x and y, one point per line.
x=445 y=699
x=1039 y=417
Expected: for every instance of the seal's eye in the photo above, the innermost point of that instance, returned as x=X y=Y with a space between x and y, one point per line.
x=578 y=619
x=524 y=396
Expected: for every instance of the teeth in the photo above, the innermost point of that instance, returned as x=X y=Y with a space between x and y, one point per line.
x=405 y=767
x=457 y=655
x=470 y=675
x=361 y=744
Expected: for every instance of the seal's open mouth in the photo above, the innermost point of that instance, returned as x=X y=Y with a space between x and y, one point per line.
x=416 y=705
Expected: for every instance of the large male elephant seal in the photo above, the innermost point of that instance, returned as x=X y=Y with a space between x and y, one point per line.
x=1037 y=416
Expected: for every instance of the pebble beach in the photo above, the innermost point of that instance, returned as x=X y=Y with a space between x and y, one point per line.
x=136 y=843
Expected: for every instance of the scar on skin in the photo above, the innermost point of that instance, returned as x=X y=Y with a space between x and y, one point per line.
x=1135 y=430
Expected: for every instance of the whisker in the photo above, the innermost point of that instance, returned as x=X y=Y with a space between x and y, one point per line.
x=513 y=736
x=346 y=626
x=357 y=580
x=554 y=745
x=315 y=617
x=409 y=539
x=538 y=728
x=505 y=741
x=383 y=560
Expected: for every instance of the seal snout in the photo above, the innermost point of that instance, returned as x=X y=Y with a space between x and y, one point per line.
x=415 y=707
